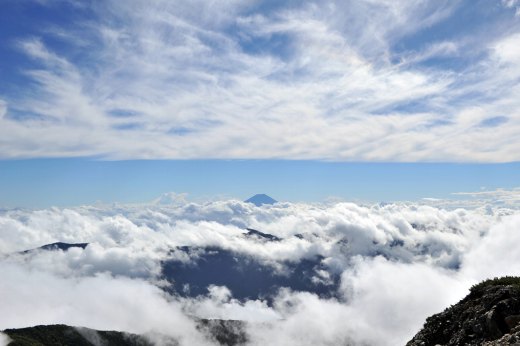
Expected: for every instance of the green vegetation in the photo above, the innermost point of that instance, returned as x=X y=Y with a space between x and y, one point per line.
x=502 y=281
x=65 y=335
x=223 y=332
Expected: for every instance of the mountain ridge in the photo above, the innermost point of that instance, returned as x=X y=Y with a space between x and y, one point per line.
x=489 y=315
x=221 y=332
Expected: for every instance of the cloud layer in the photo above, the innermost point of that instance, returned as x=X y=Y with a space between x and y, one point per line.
x=334 y=80
x=406 y=261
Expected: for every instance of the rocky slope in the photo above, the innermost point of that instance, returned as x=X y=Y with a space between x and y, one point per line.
x=489 y=315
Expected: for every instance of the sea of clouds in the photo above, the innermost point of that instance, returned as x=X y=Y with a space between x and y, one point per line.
x=398 y=264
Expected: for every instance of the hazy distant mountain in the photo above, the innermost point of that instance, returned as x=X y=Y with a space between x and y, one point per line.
x=261 y=199
x=58 y=246
x=245 y=276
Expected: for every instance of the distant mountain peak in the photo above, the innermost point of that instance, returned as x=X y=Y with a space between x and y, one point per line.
x=58 y=246
x=261 y=235
x=261 y=199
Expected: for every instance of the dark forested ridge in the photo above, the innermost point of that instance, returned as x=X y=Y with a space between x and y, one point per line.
x=220 y=332
x=62 y=335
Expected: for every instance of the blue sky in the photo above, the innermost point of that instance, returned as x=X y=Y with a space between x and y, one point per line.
x=347 y=93
x=39 y=183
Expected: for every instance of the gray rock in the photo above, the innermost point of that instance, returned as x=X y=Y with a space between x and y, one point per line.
x=489 y=315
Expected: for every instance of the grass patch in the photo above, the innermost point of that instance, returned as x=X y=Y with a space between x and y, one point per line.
x=502 y=281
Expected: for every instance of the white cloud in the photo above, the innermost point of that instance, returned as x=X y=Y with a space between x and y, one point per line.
x=499 y=202
x=133 y=240
x=220 y=304
x=385 y=304
x=3 y=108
x=508 y=199
x=407 y=261
x=37 y=50
x=514 y=4
x=99 y=302
x=4 y=339
x=165 y=78
x=380 y=288
x=508 y=49
x=170 y=198
x=495 y=254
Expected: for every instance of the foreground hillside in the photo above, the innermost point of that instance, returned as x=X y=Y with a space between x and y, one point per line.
x=65 y=335
x=489 y=315
x=219 y=332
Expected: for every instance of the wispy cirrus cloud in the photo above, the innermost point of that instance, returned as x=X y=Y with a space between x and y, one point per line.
x=502 y=197
x=331 y=81
x=513 y=4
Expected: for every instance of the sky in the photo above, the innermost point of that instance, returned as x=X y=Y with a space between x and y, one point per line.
x=369 y=100
x=40 y=183
x=389 y=130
